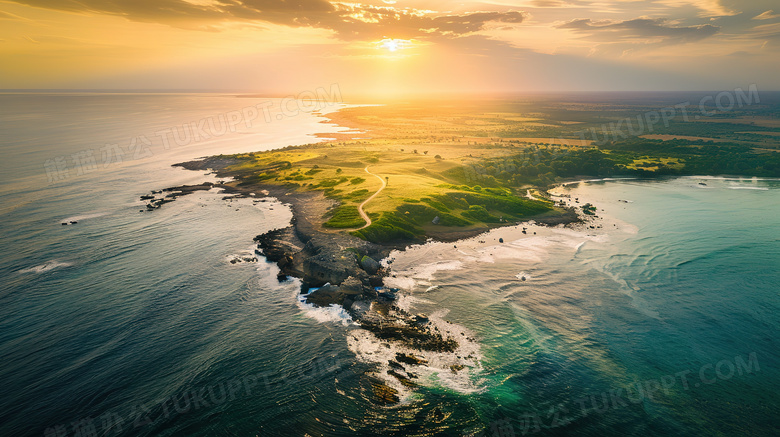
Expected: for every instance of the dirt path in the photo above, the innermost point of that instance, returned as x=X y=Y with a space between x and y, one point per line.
x=360 y=208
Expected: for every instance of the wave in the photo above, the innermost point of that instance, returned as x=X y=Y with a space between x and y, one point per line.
x=330 y=314
x=735 y=187
x=725 y=178
x=46 y=267
x=421 y=274
x=530 y=243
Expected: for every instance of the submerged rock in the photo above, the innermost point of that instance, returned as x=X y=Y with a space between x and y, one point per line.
x=409 y=359
x=402 y=379
x=384 y=394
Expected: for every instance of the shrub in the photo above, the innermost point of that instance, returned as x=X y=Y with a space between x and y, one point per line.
x=479 y=213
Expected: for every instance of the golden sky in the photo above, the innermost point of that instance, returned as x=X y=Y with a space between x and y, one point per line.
x=390 y=46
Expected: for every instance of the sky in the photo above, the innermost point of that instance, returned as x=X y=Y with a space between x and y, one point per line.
x=390 y=47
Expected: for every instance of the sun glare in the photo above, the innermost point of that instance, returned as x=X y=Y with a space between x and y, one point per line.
x=393 y=45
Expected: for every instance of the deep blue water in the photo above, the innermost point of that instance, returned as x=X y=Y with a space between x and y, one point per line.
x=662 y=322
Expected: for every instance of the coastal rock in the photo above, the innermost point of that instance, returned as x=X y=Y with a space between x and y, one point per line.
x=328 y=267
x=369 y=265
x=409 y=359
x=351 y=294
x=325 y=296
x=351 y=286
x=387 y=295
x=375 y=281
x=420 y=318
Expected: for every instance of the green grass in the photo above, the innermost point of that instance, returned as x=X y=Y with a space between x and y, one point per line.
x=344 y=217
x=480 y=214
x=329 y=183
x=389 y=228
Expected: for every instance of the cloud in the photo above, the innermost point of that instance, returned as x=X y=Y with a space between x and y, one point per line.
x=640 y=30
x=765 y=31
x=368 y=22
x=768 y=15
x=348 y=20
x=707 y=8
x=9 y=16
x=548 y=3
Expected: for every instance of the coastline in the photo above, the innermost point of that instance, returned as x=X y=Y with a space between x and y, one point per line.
x=341 y=271
x=337 y=269
x=304 y=239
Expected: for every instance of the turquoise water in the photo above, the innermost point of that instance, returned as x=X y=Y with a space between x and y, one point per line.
x=677 y=292
x=138 y=324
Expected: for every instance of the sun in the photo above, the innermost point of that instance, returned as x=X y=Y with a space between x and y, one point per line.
x=393 y=45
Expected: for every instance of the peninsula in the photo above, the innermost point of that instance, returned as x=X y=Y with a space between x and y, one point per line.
x=402 y=177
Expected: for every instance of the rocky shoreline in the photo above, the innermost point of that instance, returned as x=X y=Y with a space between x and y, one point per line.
x=335 y=269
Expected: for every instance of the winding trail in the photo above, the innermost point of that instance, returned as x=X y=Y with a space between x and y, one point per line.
x=360 y=208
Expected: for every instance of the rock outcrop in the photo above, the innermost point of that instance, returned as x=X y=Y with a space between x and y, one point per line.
x=370 y=265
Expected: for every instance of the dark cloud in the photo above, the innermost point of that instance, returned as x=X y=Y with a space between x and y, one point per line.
x=640 y=29
x=349 y=21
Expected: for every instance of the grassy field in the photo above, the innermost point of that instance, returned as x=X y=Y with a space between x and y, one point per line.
x=454 y=168
x=423 y=196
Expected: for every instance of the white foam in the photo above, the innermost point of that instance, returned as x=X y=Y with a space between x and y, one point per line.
x=407 y=301
x=400 y=282
x=723 y=178
x=437 y=372
x=330 y=314
x=739 y=187
x=523 y=276
x=46 y=267
x=421 y=274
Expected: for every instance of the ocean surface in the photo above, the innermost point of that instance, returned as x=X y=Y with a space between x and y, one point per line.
x=661 y=319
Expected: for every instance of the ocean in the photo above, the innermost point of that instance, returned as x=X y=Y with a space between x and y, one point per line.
x=659 y=320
